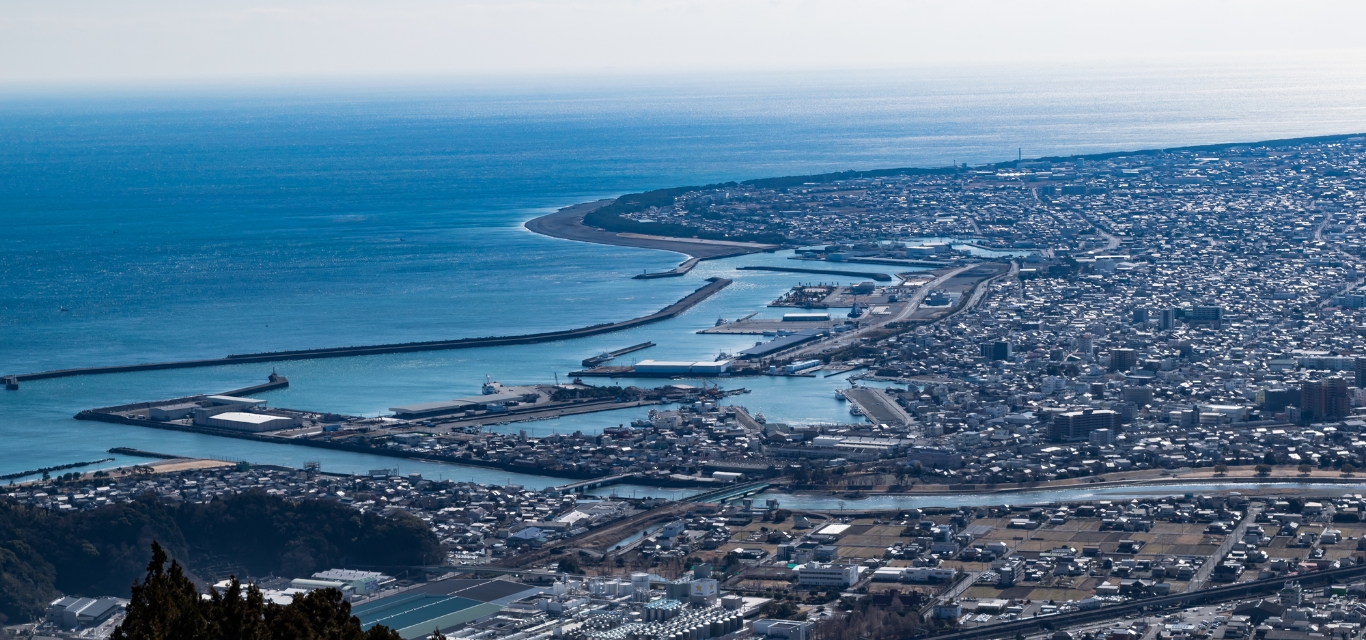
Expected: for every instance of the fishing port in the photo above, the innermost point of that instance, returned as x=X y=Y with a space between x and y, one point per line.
x=447 y=431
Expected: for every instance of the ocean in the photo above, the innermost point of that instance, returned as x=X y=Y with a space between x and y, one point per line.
x=148 y=225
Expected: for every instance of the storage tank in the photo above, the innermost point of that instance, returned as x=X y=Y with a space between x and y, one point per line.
x=640 y=586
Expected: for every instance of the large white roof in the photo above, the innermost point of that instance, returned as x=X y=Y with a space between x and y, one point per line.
x=252 y=418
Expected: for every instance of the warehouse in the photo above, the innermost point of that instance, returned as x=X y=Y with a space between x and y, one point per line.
x=254 y=422
x=782 y=343
x=516 y=395
x=680 y=368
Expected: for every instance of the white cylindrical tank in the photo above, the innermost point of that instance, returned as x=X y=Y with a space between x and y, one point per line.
x=640 y=586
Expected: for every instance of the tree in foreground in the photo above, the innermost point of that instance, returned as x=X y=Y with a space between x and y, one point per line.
x=165 y=605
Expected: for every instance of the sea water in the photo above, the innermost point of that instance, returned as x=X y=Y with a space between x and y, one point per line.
x=160 y=225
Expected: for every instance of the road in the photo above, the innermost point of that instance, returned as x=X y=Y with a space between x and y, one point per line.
x=1112 y=612
x=1202 y=576
x=1112 y=242
x=980 y=291
x=1337 y=247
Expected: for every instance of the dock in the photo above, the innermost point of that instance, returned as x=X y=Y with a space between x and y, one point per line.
x=713 y=285
x=877 y=406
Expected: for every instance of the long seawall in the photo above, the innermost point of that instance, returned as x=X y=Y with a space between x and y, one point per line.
x=714 y=285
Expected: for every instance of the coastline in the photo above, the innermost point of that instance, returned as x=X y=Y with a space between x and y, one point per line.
x=567 y=224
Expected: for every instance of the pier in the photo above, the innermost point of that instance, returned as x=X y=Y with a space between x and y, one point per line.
x=713 y=285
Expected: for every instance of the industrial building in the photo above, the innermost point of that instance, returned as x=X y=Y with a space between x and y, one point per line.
x=503 y=398
x=74 y=613
x=225 y=412
x=668 y=367
x=827 y=575
x=360 y=582
x=781 y=343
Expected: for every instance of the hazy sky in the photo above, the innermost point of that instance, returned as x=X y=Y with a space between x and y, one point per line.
x=80 y=41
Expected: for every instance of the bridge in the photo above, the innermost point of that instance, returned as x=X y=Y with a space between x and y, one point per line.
x=594 y=483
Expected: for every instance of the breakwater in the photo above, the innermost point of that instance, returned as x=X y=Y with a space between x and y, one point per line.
x=713 y=285
x=675 y=272
x=60 y=467
x=139 y=453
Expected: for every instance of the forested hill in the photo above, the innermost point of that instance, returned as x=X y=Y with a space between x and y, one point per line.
x=102 y=552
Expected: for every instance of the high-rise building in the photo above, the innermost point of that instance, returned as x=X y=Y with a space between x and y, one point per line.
x=1324 y=399
x=998 y=350
x=1123 y=359
x=1086 y=343
x=1279 y=398
x=1207 y=316
x=1076 y=426
x=1361 y=373
x=1138 y=396
x=1167 y=320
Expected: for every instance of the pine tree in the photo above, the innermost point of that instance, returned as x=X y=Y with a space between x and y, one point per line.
x=166 y=606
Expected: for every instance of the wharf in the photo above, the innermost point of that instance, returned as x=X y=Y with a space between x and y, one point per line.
x=896 y=262
x=630 y=372
x=713 y=285
x=877 y=406
x=765 y=326
x=880 y=277
x=558 y=410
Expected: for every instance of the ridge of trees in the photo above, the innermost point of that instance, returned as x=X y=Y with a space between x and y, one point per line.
x=102 y=551
x=610 y=218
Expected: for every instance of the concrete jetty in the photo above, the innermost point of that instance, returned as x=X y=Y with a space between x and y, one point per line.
x=713 y=285
x=675 y=272
x=612 y=355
